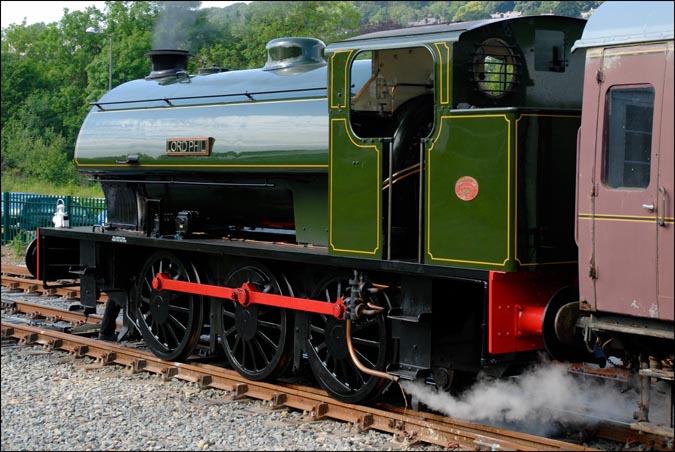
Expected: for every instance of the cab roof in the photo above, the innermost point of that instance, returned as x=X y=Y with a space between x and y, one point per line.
x=427 y=34
x=413 y=35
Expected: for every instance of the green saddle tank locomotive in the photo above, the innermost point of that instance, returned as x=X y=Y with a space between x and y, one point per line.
x=397 y=205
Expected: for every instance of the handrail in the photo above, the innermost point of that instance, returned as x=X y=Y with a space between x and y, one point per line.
x=210 y=96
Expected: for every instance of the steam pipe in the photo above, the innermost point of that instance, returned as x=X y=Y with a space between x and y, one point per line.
x=357 y=363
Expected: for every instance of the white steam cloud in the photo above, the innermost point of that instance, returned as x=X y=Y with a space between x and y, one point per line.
x=540 y=399
x=174 y=20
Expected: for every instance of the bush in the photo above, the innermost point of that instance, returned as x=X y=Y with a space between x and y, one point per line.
x=42 y=156
x=19 y=244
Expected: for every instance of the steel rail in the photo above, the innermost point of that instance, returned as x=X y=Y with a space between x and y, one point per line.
x=51 y=314
x=18 y=278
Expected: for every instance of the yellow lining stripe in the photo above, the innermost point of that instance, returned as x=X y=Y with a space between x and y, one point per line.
x=623 y=218
x=345 y=94
x=444 y=66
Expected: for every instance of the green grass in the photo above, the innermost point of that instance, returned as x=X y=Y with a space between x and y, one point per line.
x=12 y=183
x=19 y=244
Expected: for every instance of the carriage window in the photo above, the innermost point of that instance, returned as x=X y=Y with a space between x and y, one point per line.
x=494 y=68
x=628 y=137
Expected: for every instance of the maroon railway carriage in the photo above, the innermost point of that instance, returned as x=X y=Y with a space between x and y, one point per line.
x=625 y=187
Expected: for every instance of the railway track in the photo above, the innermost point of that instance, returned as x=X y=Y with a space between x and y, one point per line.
x=16 y=277
x=411 y=425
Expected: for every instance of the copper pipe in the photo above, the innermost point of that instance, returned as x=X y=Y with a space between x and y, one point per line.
x=365 y=87
x=402 y=174
x=357 y=363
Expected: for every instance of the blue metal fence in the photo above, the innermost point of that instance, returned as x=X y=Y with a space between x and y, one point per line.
x=28 y=211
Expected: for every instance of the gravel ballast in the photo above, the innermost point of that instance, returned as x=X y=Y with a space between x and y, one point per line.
x=52 y=401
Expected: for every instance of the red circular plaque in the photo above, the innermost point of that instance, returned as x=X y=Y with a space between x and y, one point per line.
x=466 y=188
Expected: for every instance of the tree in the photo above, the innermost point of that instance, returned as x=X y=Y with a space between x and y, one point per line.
x=471 y=11
x=499 y=7
x=264 y=21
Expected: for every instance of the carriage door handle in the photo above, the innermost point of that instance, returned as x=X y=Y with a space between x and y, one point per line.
x=662 y=219
x=648 y=207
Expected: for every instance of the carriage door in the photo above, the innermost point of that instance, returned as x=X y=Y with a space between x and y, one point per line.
x=626 y=213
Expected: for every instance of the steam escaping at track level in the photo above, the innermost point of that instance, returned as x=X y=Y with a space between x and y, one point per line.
x=541 y=398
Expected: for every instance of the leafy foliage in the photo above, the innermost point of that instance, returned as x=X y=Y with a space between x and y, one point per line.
x=52 y=72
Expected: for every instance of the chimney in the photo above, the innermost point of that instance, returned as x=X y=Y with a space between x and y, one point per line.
x=167 y=63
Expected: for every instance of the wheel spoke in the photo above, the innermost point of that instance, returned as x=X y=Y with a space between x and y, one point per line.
x=228 y=313
x=364 y=360
x=232 y=330
x=148 y=285
x=180 y=309
x=261 y=352
x=363 y=342
x=237 y=343
x=270 y=325
x=178 y=324
x=250 y=361
x=265 y=339
x=317 y=329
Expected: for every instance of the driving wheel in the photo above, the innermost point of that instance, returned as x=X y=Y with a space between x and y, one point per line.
x=170 y=322
x=257 y=339
x=326 y=346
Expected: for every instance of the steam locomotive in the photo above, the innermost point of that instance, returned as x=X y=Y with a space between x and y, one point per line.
x=422 y=204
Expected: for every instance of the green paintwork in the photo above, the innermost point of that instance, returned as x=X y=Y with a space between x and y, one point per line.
x=515 y=220
x=283 y=142
x=311 y=211
x=256 y=119
x=470 y=233
x=355 y=194
x=284 y=154
x=355 y=175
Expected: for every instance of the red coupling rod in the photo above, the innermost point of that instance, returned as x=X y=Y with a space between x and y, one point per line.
x=248 y=294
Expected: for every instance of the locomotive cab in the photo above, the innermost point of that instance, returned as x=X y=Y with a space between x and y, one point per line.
x=399 y=144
